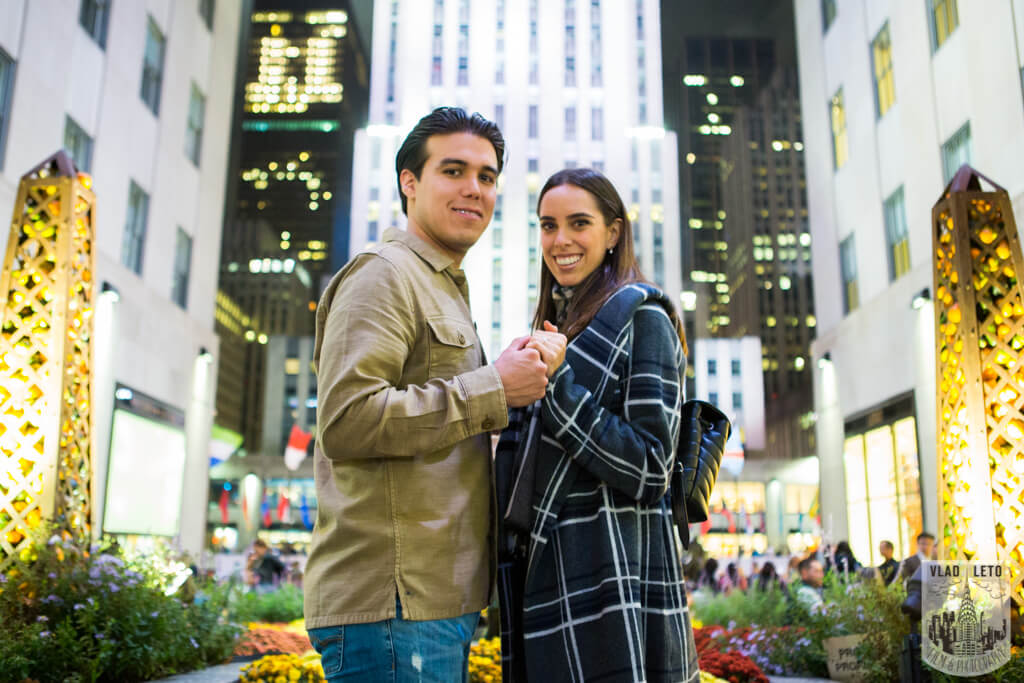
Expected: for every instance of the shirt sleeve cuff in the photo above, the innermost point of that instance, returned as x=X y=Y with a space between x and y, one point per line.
x=486 y=397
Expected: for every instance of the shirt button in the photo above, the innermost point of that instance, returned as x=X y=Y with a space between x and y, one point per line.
x=488 y=423
x=462 y=338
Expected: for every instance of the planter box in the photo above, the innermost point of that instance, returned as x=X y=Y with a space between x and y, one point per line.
x=843 y=664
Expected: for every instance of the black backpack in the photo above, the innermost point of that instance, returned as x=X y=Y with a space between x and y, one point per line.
x=703 y=431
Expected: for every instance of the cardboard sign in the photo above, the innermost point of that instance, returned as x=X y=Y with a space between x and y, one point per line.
x=843 y=664
x=965 y=625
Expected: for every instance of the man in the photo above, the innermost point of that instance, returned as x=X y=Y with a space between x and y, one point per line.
x=809 y=588
x=264 y=568
x=888 y=568
x=925 y=547
x=402 y=556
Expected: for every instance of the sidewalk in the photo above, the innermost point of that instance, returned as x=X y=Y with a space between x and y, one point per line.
x=225 y=673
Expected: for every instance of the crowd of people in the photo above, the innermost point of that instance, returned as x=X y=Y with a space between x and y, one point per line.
x=805 y=575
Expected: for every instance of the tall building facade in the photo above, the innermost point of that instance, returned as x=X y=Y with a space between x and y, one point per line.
x=140 y=95
x=732 y=93
x=896 y=96
x=570 y=83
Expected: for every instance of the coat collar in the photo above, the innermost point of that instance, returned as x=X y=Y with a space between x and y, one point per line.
x=437 y=259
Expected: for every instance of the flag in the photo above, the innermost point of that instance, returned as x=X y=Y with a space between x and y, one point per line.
x=729 y=518
x=265 y=510
x=304 y=511
x=815 y=511
x=245 y=510
x=284 y=509
x=295 y=453
x=224 y=497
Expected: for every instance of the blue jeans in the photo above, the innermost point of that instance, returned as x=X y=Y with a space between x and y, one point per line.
x=396 y=650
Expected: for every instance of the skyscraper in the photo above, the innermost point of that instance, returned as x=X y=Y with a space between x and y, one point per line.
x=570 y=83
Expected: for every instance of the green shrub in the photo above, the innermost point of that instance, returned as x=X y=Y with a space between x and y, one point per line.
x=281 y=605
x=71 y=613
x=739 y=610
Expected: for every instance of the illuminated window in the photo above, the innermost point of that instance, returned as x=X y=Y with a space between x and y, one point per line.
x=194 y=130
x=828 y=13
x=800 y=498
x=956 y=151
x=182 y=268
x=742 y=496
x=134 y=238
x=93 y=16
x=153 y=66
x=896 y=234
x=837 y=113
x=885 y=505
x=943 y=20
x=881 y=58
x=78 y=143
x=848 y=267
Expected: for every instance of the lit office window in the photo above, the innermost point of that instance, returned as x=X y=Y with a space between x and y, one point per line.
x=194 y=130
x=956 y=152
x=182 y=268
x=943 y=20
x=78 y=143
x=848 y=269
x=153 y=66
x=881 y=58
x=134 y=238
x=93 y=16
x=837 y=113
x=828 y=13
x=896 y=234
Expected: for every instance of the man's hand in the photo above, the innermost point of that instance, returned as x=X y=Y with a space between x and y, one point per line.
x=523 y=374
x=550 y=344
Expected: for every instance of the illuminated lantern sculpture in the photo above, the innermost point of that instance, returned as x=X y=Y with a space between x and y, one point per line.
x=46 y=357
x=979 y=318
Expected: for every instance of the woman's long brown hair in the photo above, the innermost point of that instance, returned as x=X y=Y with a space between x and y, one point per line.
x=618 y=268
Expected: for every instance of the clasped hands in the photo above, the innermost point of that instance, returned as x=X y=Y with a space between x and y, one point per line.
x=524 y=367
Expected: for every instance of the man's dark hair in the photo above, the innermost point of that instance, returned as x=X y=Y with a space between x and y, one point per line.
x=924 y=534
x=805 y=564
x=259 y=542
x=889 y=545
x=443 y=121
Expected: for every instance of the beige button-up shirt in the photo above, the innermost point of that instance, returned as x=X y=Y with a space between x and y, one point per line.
x=403 y=455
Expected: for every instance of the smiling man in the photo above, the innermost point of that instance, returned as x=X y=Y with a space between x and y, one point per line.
x=401 y=560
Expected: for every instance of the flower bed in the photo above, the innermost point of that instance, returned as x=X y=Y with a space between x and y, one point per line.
x=264 y=639
x=286 y=668
x=723 y=660
x=485 y=661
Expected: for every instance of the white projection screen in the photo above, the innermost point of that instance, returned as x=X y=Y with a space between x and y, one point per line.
x=145 y=476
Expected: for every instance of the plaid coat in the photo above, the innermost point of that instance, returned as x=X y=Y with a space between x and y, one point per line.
x=594 y=591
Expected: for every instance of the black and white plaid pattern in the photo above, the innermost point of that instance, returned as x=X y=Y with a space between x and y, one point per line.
x=596 y=593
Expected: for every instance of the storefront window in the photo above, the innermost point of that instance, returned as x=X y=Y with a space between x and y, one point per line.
x=883 y=491
x=743 y=495
x=729 y=545
x=800 y=498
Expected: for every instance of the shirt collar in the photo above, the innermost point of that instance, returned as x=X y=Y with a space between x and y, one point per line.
x=438 y=260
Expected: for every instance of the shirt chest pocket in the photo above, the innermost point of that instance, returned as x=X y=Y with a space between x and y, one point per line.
x=451 y=348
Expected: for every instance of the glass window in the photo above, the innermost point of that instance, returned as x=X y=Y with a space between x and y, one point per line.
x=713 y=398
x=896 y=234
x=531 y=123
x=182 y=268
x=134 y=238
x=943 y=20
x=194 y=130
x=153 y=66
x=712 y=368
x=885 y=506
x=738 y=497
x=800 y=498
x=570 y=123
x=956 y=152
x=6 y=89
x=848 y=268
x=78 y=143
x=737 y=401
x=735 y=367
x=206 y=8
x=881 y=59
x=93 y=16
x=837 y=113
x=499 y=115
x=828 y=13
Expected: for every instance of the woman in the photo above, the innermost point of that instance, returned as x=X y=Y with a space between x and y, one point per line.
x=589 y=581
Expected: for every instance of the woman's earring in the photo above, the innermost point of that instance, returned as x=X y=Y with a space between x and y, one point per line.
x=611 y=249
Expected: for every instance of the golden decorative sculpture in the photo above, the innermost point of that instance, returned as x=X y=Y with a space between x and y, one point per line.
x=46 y=357
x=979 y=319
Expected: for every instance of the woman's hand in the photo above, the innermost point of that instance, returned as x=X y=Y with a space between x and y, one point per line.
x=550 y=344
